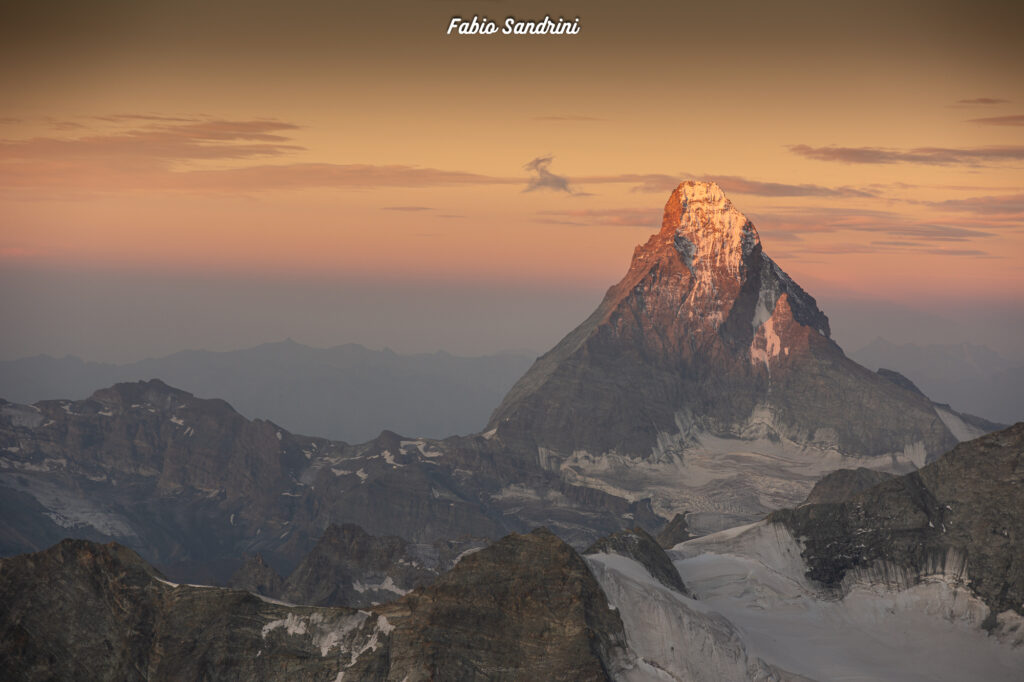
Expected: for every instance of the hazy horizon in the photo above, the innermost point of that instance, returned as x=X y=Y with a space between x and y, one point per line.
x=121 y=318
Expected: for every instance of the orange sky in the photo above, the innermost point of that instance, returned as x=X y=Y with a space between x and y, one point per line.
x=879 y=149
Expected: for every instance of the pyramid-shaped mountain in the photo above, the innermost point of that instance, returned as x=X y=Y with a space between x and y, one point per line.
x=707 y=338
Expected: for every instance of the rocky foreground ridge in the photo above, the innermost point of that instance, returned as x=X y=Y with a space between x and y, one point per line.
x=525 y=608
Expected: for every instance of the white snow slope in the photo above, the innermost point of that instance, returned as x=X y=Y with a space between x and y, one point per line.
x=757 y=618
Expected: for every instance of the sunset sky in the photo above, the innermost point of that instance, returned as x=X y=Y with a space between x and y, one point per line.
x=222 y=174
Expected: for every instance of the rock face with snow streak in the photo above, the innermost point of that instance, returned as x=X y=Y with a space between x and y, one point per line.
x=350 y=567
x=706 y=334
x=960 y=514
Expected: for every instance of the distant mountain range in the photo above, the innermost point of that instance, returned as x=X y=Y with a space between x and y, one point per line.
x=972 y=378
x=348 y=392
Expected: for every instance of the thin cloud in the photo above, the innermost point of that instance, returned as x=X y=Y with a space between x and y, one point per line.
x=983 y=101
x=645 y=182
x=120 y=118
x=934 y=156
x=1015 y=120
x=544 y=178
x=365 y=176
x=617 y=217
x=659 y=182
x=569 y=118
x=147 y=155
x=915 y=247
x=806 y=221
x=1009 y=205
x=741 y=185
x=197 y=140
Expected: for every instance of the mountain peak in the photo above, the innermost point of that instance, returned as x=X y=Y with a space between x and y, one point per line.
x=706 y=229
x=706 y=334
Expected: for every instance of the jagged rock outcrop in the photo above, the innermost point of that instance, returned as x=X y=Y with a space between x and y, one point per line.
x=638 y=545
x=524 y=608
x=676 y=531
x=959 y=515
x=704 y=332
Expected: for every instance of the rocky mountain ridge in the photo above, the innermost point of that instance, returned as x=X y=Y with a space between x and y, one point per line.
x=525 y=608
x=193 y=486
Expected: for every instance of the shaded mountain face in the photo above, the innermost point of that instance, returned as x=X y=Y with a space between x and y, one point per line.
x=960 y=514
x=524 y=608
x=706 y=334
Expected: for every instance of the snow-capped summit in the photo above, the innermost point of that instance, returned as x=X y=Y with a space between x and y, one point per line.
x=707 y=229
